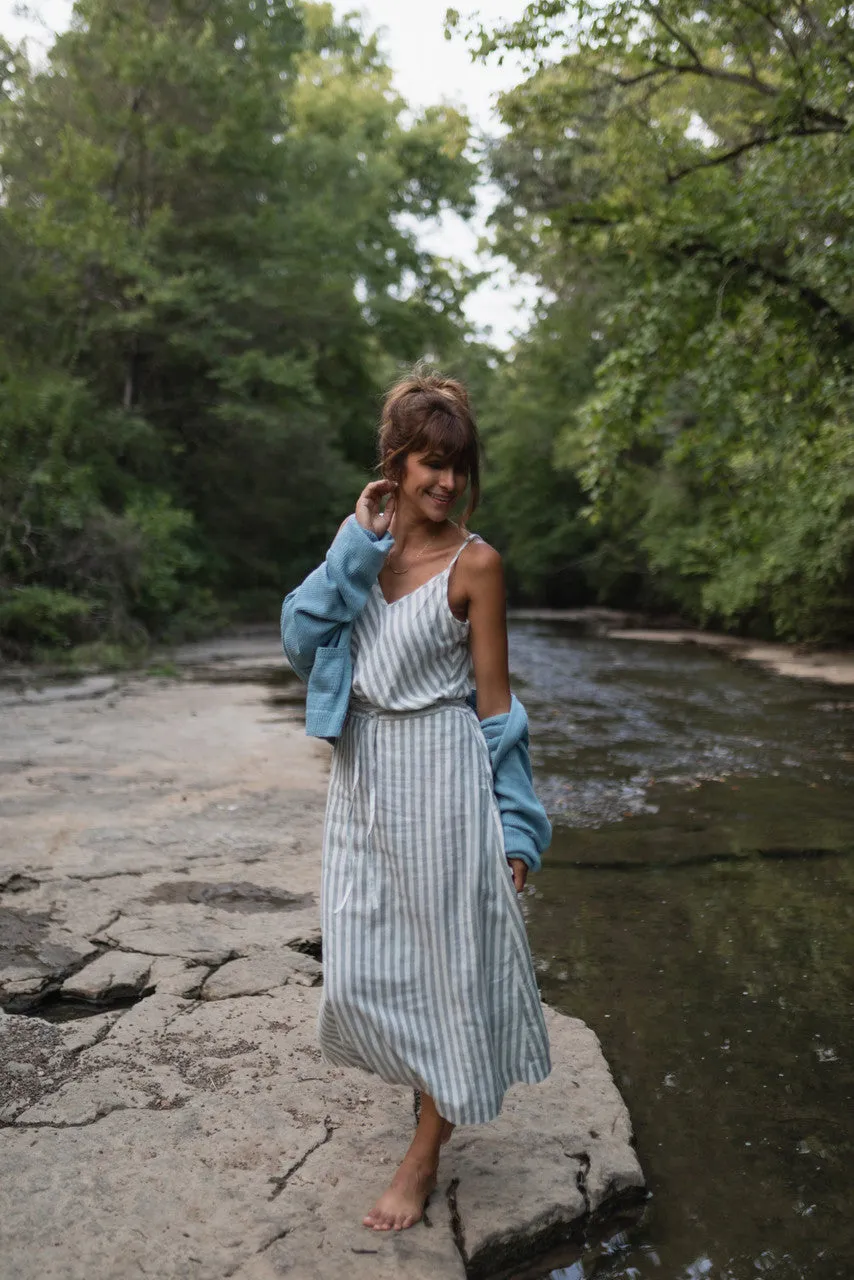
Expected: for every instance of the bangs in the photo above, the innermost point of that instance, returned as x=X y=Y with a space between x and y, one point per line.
x=443 y=437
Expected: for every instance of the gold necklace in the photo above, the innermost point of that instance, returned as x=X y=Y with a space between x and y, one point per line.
x=400 y=572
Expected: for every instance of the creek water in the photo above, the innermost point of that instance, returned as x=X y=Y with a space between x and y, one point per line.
x=696 y=910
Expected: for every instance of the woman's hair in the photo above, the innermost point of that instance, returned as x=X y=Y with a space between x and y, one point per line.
x=427 y=413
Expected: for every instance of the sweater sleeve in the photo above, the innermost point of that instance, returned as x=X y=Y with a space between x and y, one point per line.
x=332 y=595
x=527 y=830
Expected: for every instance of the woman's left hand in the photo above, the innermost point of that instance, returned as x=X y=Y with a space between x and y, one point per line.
x=520 y=873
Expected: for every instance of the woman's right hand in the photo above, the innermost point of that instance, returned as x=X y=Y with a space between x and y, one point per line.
x=368 y=506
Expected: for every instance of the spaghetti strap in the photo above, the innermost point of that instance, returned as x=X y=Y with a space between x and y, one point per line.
x=460 y=549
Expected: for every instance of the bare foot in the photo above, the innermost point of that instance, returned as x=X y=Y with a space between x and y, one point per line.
x=401 y=1205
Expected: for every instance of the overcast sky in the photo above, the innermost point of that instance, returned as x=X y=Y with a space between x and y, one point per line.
x=427 y=69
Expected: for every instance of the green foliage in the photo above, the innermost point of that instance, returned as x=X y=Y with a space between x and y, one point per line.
x=210 y=218
x=40 y=616
x=699 y=164
x=85 y=551
x=211 y=269
x=532 y=508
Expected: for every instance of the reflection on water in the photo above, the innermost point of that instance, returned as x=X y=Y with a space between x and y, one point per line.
x=696 y=909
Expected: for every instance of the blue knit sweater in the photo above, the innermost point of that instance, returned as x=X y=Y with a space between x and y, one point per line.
x=316 y=624
x=318 y=617
x=527 y=830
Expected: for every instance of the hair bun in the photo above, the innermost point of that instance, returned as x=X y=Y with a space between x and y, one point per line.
x=429 y=387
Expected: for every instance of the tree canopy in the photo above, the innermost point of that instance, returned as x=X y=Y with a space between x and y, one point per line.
x=209 y=230
x=689 y=171
x=208 y=273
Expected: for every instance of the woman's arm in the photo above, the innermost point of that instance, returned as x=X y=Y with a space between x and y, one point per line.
x=315 y=613
x=487 y=612
x=483 y=582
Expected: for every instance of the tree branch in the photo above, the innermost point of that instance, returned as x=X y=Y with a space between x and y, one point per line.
x=628 y=82
x=814 y=300
x=677 y=35
x=724 y=157
x=811 y=298
x=835 y=123
x=717 y=73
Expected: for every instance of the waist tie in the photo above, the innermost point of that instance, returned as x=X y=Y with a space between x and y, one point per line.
x=361 y=707
x=366 y=745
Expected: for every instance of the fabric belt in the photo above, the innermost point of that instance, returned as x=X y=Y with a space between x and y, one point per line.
x=360 y=706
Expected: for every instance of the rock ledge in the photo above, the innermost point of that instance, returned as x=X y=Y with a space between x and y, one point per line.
x=187 y=1125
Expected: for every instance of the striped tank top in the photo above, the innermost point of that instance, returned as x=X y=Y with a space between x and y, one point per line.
x=413 y=652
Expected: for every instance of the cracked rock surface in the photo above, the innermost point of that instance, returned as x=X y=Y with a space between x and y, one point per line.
x=159 y=878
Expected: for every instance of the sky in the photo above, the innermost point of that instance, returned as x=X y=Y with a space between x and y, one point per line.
x=427 y=69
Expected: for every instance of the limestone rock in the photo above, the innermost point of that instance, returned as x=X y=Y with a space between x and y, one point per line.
x=13 y=987
x=113 y=974
x=195 y=942
x=326 y=1235
x=88 y=687
x=205 y=1137
x=84 y=1032
x=558 y=1151
x=79 y=1102
x=33 y=950
x=146 y=1192
x=172 y=975
x=253 y=974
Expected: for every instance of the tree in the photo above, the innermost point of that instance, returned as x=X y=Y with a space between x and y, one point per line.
x=533 y=506
x=210 y=271
x=704 y=159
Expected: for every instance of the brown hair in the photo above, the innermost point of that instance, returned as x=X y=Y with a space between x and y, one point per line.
x=427 y=413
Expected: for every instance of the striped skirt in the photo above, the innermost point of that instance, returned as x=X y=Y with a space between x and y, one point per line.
x=428 y=980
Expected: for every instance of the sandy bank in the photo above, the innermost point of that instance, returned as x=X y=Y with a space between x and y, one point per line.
x=161 y=858
x=836 y=666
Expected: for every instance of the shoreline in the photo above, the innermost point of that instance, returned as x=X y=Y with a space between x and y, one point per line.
x=835 y=666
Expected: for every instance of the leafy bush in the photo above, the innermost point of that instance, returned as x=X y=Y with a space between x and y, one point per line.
x=36 y=615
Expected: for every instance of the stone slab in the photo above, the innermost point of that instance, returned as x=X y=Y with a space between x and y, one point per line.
x=326 y=1234
x=253 y=974
x=114 y=973
x=173 y=975
x=35 y=949
x=204 y=1137
x=558 y=1151
x=87 y=687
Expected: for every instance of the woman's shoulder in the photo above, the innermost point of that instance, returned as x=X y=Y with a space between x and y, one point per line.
x=481 y=559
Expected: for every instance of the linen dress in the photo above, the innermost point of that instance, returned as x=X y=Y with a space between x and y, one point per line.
x=428 y=979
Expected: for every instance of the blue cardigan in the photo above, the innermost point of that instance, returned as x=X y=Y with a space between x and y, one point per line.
x=527 y=830
x=317 y=619
x=316 y=624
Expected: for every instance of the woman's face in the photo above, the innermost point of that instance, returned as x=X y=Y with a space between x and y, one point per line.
x=432 y=484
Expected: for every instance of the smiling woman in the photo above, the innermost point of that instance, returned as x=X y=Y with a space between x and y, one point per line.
x=427 y=422
x=428 y=979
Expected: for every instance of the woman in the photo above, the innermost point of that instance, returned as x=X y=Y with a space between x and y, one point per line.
x=428 y=980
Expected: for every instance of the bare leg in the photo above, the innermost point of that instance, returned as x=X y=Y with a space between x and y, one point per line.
x=401 y=1205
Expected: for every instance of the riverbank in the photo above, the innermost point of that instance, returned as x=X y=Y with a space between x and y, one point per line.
x=95 y=663
x=836 y=666
x=160 y=878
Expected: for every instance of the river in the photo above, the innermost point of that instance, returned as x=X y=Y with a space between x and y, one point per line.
x=696 y=910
